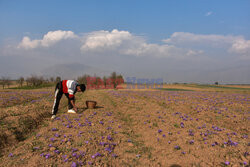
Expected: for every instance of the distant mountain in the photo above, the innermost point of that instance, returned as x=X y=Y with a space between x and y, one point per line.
x=73 y=70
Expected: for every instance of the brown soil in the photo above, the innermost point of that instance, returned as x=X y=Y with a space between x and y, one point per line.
x=130 y=128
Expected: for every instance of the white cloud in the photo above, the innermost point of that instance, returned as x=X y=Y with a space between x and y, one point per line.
x=125 y=43
x=185 y=37
x=105 y=39
x=49 y=39
x=29 y=44
x=241 y=46
x=209 y=13
x=233 y=44
x=180 y=44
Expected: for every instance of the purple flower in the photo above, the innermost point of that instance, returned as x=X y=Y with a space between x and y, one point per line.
x=47 y=156
x=191 y=142
x=182 y=124
x=101 y=122
x=163 y=135
x=109 y=137
x=159 y=131
x=96 y=155
x=73 y=164
x=109 y=149
x=57 y=151
x=54 y=129
x=244 y=136
x=114 y=155
x=90 y=163
x=52 y=139
x=227 y=163
x=82 y=154
x=183 y=152
x=10 y=155
x=57 y=135
x=129 y=140
x=177 y=147
x=246 y=154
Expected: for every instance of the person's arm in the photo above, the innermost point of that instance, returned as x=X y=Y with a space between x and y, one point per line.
x=73 y=104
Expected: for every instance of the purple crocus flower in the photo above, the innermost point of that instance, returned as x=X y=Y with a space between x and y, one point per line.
x=114 y=155
x=246 y=154
x=47 y=156
x=54 y=129
x=57 y=135
x=244 y=136
x=52 y=139
x=57 y=151
x=73 y=164
x=182 y=125
x=177 y=147
x=227 y=163
x=109 y=149
x=159 y=131
x=10 y=155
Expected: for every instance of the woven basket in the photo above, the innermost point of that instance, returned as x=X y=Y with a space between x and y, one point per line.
x=91 y=104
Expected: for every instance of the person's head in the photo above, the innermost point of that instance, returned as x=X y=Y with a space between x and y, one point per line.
x=81 y=88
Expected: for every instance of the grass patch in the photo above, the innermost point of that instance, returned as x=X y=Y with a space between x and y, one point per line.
x=173 y=89
x=34 y=87
x=217 y=86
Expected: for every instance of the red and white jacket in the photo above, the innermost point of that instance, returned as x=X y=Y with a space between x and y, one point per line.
x=69 y=86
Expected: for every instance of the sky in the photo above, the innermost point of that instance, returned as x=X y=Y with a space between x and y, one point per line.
x=202 y=41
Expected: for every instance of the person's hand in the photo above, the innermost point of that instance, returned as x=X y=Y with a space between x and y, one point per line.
x=75 y=109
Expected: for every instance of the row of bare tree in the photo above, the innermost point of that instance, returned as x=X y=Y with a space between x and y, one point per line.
x=35 y=81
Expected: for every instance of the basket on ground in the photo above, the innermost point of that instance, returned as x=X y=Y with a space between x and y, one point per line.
x=91 y=104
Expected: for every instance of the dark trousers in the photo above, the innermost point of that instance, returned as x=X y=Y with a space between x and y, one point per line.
x=58 y=96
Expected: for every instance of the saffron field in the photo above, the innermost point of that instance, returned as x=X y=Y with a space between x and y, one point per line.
x=129 y=127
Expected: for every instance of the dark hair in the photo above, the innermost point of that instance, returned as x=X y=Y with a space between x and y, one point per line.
x=83 y=87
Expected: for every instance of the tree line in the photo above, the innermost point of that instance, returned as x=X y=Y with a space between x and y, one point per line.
x=91 y=81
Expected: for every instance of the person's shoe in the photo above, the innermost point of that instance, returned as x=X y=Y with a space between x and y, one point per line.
x=53 y=117
x=71 y=111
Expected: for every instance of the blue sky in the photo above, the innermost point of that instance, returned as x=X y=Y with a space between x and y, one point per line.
x=149 y=22
x=155 y=19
